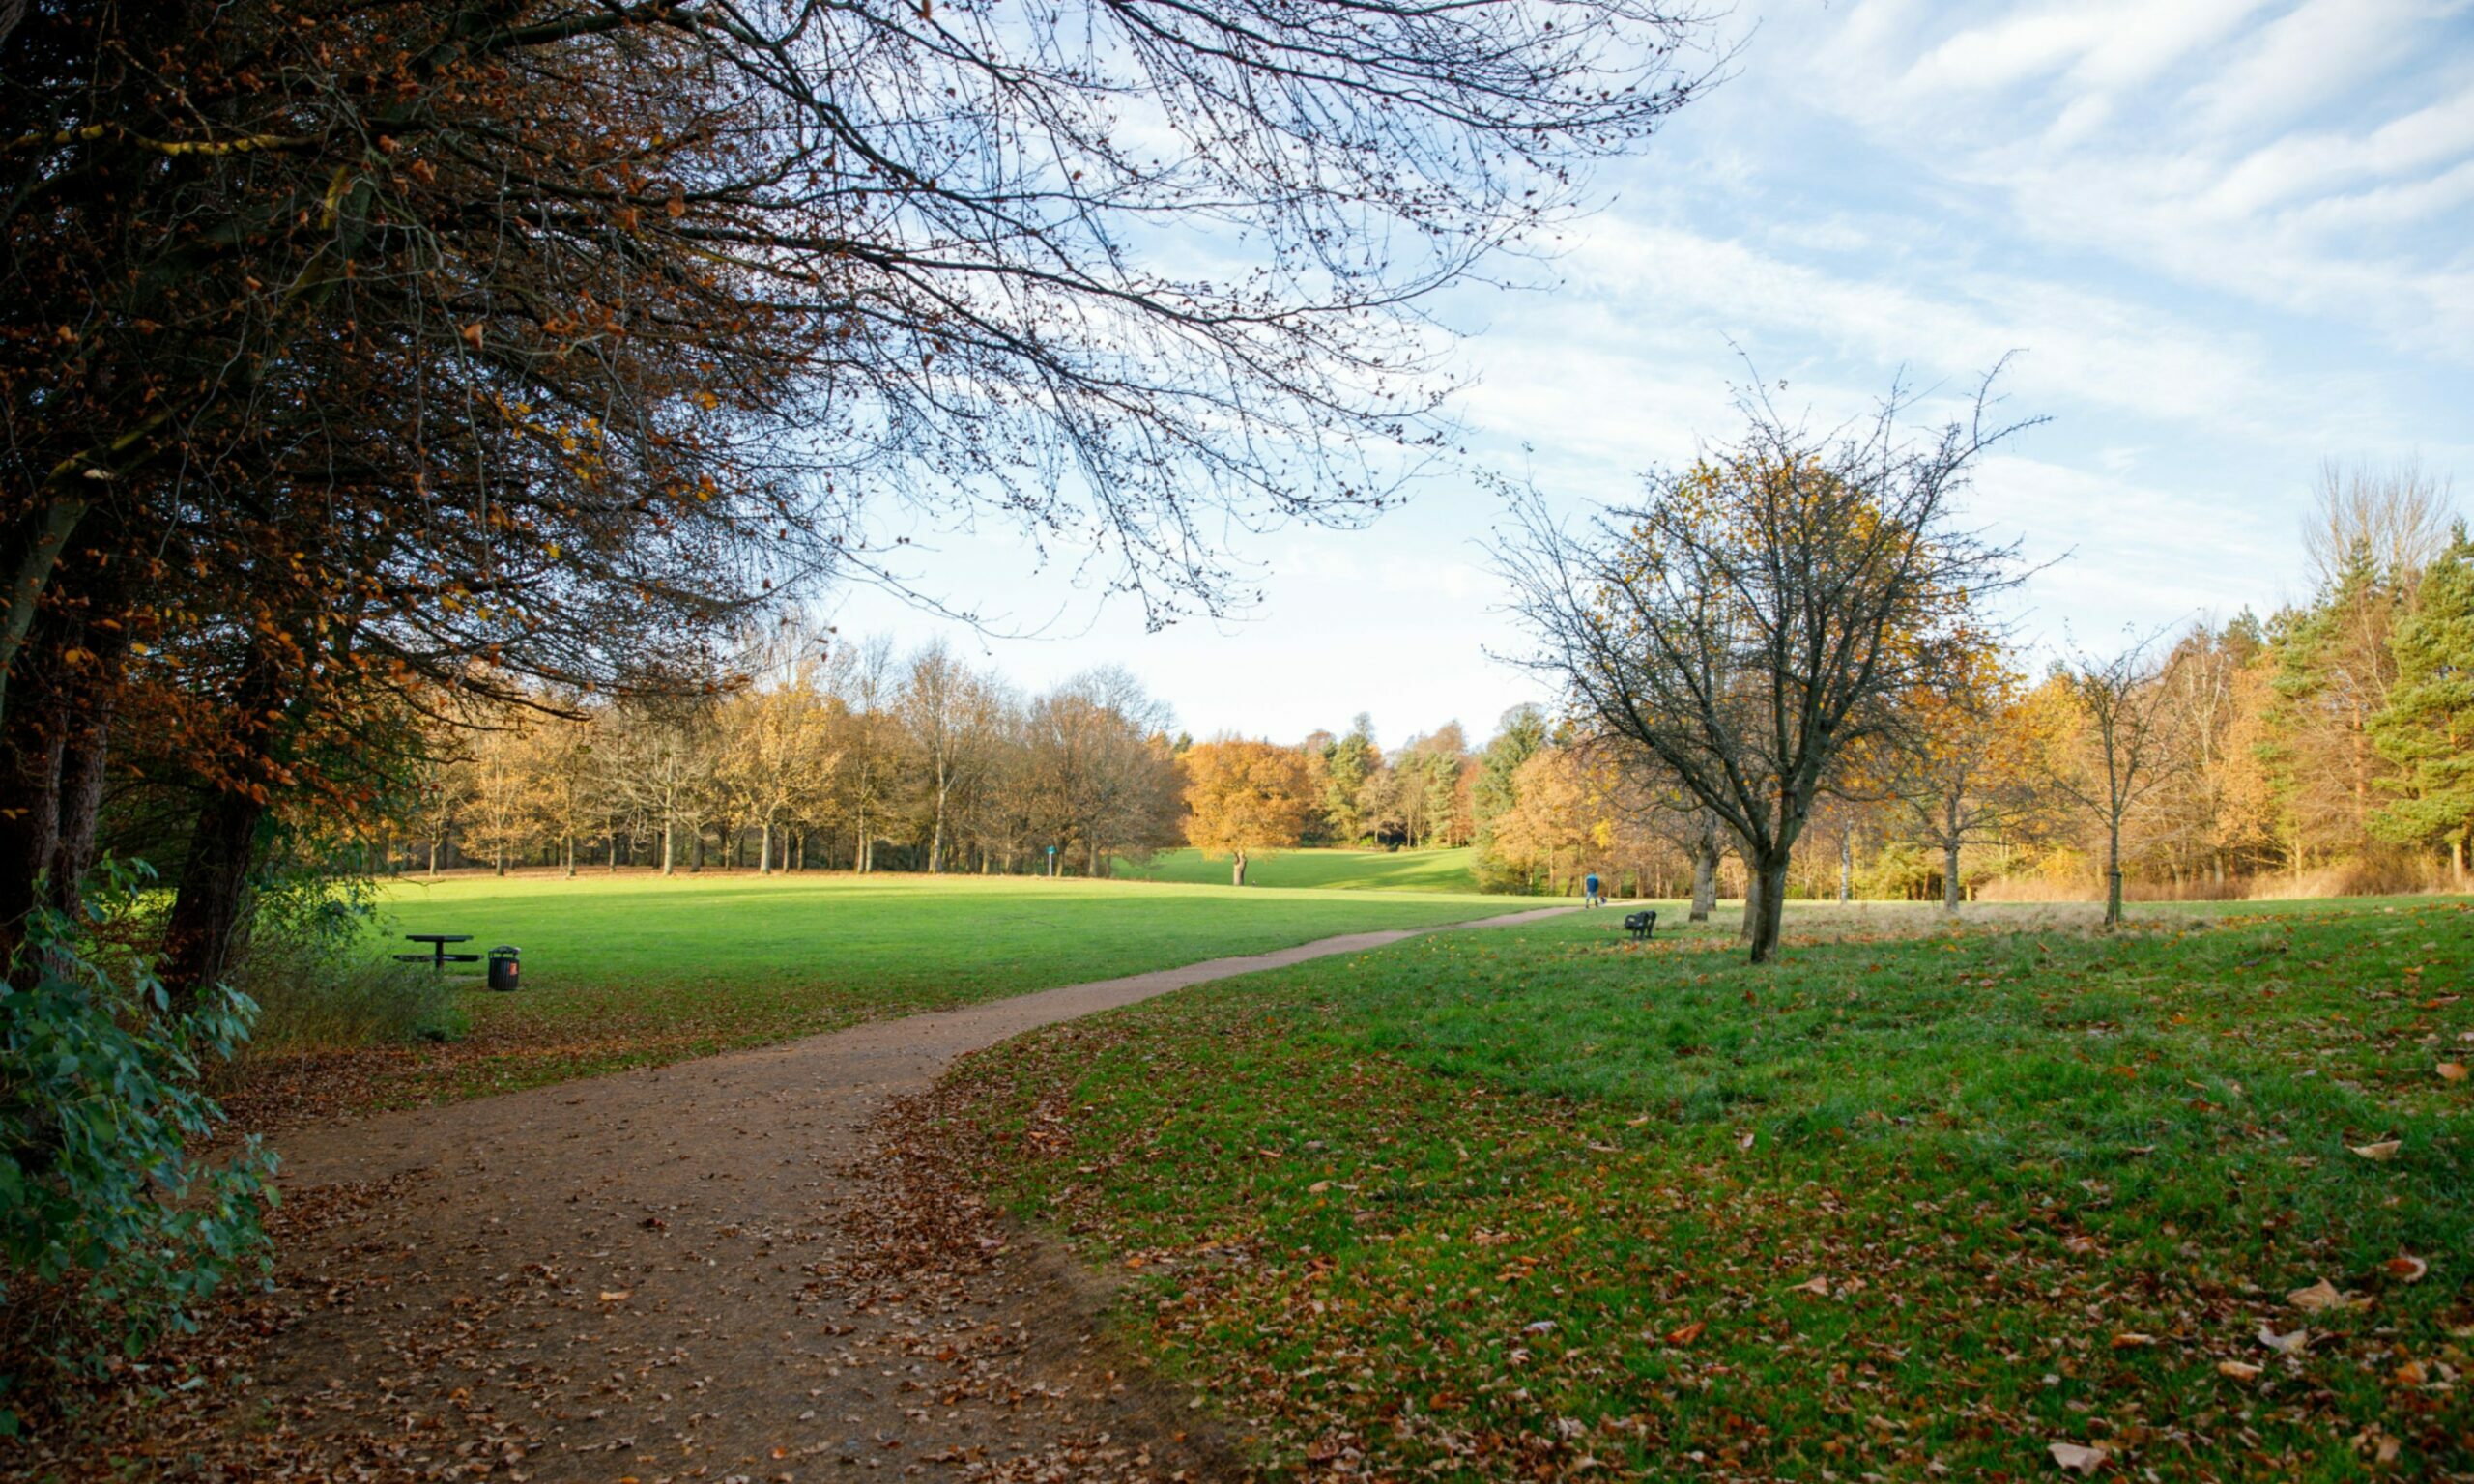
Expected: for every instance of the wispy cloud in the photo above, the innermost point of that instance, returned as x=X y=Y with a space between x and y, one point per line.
x=2093 y=47
x=2080 y=345
x=2313 y=157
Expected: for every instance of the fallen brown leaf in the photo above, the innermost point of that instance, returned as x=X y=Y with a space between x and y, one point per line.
x=2406 y=1270
x=2239 y=1370
x=2077 y=1458
x=2382 y=1151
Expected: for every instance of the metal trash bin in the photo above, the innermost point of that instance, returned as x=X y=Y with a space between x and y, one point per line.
x=507 y=970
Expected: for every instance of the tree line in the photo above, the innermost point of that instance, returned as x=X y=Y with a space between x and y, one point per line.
x=853 y=759
x=858 y=757
x=2325 y=748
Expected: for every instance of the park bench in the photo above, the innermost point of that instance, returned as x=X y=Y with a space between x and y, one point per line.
x=1641 y=924
x=438 y=957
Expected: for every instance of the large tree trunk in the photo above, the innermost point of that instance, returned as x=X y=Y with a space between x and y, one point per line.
x=1705 y=878
x=1950 y=874
x=205 y=921
x=52 y=761
x=1749 y=929
x=1771 y=884
x=669 y=846
x=29 y=827
x=1238 y=876
x=210 y=909
x=83 y=758
x=764 y=850
x=1846 y=867
x=32 y=555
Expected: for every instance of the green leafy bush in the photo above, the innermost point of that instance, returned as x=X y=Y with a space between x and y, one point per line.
x=112 y=1230
x=1900 y=872
x=312 y=965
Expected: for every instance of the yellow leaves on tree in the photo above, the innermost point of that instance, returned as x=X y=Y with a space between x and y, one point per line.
x=1559 y=822
x=1244 y=796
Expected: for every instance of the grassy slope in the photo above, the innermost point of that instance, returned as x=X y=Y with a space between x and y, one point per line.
x=1494 y=1205
x=634 y=968
x=1393 y=871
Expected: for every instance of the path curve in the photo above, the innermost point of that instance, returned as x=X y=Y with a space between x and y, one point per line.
x=671 y=1273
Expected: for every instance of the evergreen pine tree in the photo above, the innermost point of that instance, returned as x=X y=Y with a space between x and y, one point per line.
x=1520 y=736
x=2333 y=672
x=2427 y=729
x=1350 y=763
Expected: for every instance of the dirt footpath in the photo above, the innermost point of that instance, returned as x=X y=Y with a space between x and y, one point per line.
x=702 y=1272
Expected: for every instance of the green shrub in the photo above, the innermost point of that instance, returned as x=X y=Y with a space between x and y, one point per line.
x=319 y=982
x=111 y=1231
x=1900 y=872
x=1496 y=875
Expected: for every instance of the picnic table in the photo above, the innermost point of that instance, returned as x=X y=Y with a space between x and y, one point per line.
x=438 y=957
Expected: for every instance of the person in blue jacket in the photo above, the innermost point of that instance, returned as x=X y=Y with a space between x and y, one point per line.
x=1590 y=887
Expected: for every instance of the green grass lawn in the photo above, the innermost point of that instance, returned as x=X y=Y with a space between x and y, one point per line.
x=636 y=968
x=1390 y=870
x=1539 y=1203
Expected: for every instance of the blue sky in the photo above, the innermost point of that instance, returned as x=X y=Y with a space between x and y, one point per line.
x=2229 y=238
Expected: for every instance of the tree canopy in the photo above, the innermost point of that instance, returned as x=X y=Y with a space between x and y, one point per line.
x=1243 y=798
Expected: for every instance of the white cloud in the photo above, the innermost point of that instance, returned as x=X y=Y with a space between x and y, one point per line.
x=2313 y=53
x=2311 y=159
x=1581 y=407
x=2301 y=165
x=2140 y=553
x=2097 y=47
x=2078 y=345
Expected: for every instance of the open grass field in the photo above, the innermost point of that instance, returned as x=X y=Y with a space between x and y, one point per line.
x=1911 y=1205
x=1388 y=871
x=637 y=968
